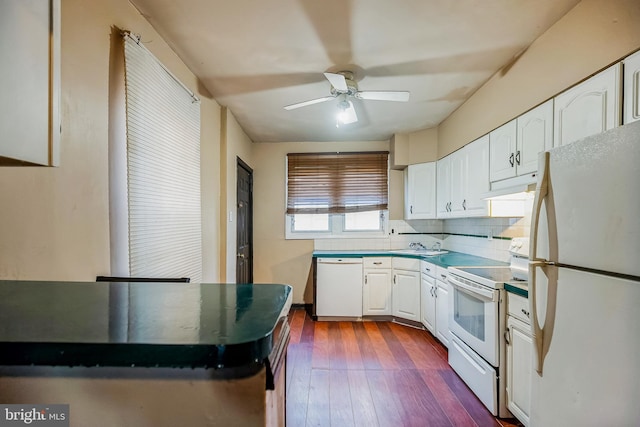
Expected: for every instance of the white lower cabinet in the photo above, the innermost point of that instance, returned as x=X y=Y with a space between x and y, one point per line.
x=442 y=312
x=428 y=301
x=405 y=298
x=519 y=358
x=435 y=301
x=376 y=289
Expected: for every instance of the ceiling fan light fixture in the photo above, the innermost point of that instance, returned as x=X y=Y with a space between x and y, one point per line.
x=346 y=113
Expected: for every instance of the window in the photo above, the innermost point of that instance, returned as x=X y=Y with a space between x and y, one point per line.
x=155 y=185
x=336 y=194
x=363 y=221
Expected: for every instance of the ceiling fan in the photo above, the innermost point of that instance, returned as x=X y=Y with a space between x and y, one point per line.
x=344 y=86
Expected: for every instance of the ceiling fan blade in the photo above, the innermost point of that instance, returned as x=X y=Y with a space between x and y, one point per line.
x=338 y=81
x=310 y=102
x=399 y=96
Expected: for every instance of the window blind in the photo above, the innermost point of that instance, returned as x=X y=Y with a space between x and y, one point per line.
x=163 y=167
x=337 y=182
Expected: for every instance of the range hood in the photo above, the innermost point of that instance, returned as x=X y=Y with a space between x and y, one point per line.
x=518 y=188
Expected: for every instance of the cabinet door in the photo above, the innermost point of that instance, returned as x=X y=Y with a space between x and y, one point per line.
x=519 y=362
x=458 y=182
x=442 y=312
x=428 y=303
x=443 y=195
x=476 y=177
x=29 y=82
x=406 y=294
x=534 y=135
x=589 y=108
x=502 y=152
x=420 y=191
x=376 y=292
x=632 y=88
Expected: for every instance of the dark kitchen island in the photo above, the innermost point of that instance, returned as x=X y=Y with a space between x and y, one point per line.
x=146 y=354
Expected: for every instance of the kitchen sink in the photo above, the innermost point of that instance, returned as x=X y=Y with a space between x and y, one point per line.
x=424 y=252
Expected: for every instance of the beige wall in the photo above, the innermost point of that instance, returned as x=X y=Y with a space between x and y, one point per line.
x=414 y=147
x=276 y=259
x=54 y=222
x=423 y=146
x=592 y=35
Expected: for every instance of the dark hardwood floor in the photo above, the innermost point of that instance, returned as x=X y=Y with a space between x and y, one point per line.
x=374 y=374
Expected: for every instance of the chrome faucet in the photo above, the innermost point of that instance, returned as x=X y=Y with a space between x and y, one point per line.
x=417 y=246
x=436 y=246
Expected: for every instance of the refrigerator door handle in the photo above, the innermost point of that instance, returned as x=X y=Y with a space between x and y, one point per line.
x=537 y=333
x=542 y=189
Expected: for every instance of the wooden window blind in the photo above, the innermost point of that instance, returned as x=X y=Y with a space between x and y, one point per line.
x=163 y=167
x=337 y=182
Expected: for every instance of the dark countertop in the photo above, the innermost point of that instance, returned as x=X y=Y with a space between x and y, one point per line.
x=449 y=259
x=139 y=324
x=521 y=289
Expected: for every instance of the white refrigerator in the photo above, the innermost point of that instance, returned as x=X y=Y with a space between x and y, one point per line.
x=584 y=290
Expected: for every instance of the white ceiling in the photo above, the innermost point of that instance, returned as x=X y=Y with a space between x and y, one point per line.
x=256 y=56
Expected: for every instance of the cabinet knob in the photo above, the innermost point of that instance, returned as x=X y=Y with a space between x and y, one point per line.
x=464 y=204
x=511 y=160
x=525 y=312
x=518 y=157
x=507 y=337
x=411 y=209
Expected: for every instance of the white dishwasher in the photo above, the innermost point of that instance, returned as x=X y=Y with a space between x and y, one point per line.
x=339 y=287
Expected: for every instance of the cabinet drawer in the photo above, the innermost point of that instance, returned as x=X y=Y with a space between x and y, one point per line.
x=428 y=268
x=377 y=262
x=412 y=264
x=442 y=274
x=518 y=307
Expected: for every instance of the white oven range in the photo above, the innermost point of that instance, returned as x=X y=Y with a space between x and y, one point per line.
x=477 y=321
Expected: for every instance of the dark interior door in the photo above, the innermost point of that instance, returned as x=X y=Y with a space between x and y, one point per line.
x=244 y=231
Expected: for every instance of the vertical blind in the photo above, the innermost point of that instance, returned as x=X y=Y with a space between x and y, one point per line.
x=163 y=166
x=337 y=182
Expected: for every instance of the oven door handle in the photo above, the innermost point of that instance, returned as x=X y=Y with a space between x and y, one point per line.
x=477 y=291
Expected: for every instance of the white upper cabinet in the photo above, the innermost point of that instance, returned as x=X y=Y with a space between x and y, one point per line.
x=534 y=135
x=420 y=191
x=475 y=177
x=632 y=88
x=463 y=177
x=443 y=195
x=458 y=182
x=514 y=146
x=589 y=108
x=502 y=152
x=29 y=82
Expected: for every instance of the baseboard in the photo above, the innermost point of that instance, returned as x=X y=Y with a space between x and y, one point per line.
x=306 y=307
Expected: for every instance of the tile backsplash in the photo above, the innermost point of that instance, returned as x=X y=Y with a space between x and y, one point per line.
x=485 y=237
